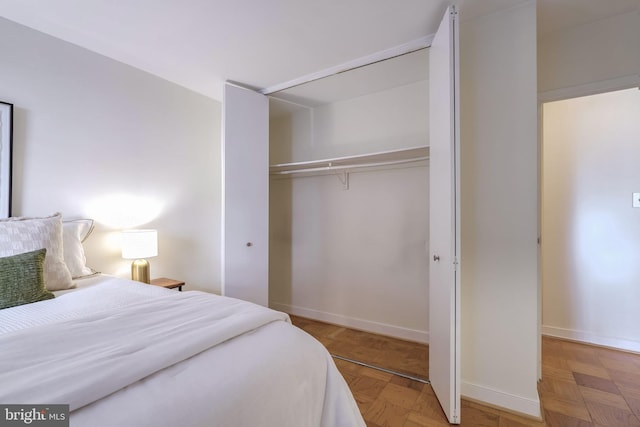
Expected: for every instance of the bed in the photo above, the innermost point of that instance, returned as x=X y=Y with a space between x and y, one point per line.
x=124 y=353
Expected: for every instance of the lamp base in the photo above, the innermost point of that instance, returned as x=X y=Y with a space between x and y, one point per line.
x=140 y=271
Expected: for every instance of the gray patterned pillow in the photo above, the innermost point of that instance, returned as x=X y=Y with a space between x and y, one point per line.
x=22 y=279
x=20 y=235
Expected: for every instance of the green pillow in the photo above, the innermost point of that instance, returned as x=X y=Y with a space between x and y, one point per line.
x=22 y=279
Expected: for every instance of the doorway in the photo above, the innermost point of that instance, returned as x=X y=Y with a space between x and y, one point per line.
x=590 y=247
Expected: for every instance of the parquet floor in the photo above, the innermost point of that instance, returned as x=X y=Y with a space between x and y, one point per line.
x=582 y=386
x=391 y=353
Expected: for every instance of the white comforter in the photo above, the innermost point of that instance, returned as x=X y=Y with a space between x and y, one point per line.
x=122 y=353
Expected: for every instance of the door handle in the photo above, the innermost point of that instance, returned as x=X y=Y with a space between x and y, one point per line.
x=436 y=257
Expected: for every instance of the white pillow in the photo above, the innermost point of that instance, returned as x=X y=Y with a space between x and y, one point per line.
x=74 y=232
x=19 y=235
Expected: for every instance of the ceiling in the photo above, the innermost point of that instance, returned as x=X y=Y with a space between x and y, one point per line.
x=261 y=43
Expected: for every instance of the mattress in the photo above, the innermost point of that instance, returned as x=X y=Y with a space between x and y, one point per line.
x=129 y=354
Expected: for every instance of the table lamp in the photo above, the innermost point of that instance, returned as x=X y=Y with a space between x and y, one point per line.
x=137 y=245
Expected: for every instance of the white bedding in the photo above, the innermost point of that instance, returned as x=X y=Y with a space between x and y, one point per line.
x=123 y=353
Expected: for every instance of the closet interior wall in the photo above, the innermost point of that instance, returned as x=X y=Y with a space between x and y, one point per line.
x=353 y=253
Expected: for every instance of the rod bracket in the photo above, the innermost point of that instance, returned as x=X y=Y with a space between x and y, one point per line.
x=344 y=179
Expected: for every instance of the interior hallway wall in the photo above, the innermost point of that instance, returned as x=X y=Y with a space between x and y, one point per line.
x=592 y=53
x=499 y=265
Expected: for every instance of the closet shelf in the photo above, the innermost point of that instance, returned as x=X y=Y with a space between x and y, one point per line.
x=379 y=159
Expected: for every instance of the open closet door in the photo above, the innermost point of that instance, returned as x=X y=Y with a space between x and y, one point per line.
x=245 y=195
x=444 y=218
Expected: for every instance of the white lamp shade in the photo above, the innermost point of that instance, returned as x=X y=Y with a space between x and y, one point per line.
x=137 y=244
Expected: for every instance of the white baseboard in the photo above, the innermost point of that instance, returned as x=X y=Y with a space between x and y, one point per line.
x=499 y=399
x=355 y=323
x=591 y=338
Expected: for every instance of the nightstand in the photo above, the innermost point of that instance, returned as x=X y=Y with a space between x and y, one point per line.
x=168 y=283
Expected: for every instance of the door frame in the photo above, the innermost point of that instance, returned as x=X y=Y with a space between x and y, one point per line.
x=587 y=89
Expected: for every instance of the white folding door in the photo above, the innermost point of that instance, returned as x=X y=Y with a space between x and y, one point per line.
x=444 y=217
x=245 y=189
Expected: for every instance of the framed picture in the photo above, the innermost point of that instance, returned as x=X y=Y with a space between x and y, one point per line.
x=6 y=151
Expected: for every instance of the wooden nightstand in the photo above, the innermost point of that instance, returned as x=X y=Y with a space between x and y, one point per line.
x=168 y=283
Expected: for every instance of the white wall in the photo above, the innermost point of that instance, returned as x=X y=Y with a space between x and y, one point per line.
x=96 y=138
x=595 y=52
x=355 y=257
x=591 y=233
x=380 y=121
x=499 y=299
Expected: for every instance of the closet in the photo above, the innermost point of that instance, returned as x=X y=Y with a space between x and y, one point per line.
x=356 y=204
x=349 y=198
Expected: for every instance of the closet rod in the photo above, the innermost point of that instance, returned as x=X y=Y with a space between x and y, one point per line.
x=331 y=167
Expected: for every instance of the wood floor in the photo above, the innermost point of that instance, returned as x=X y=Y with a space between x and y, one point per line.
x=581 y=385
x=402 y=356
